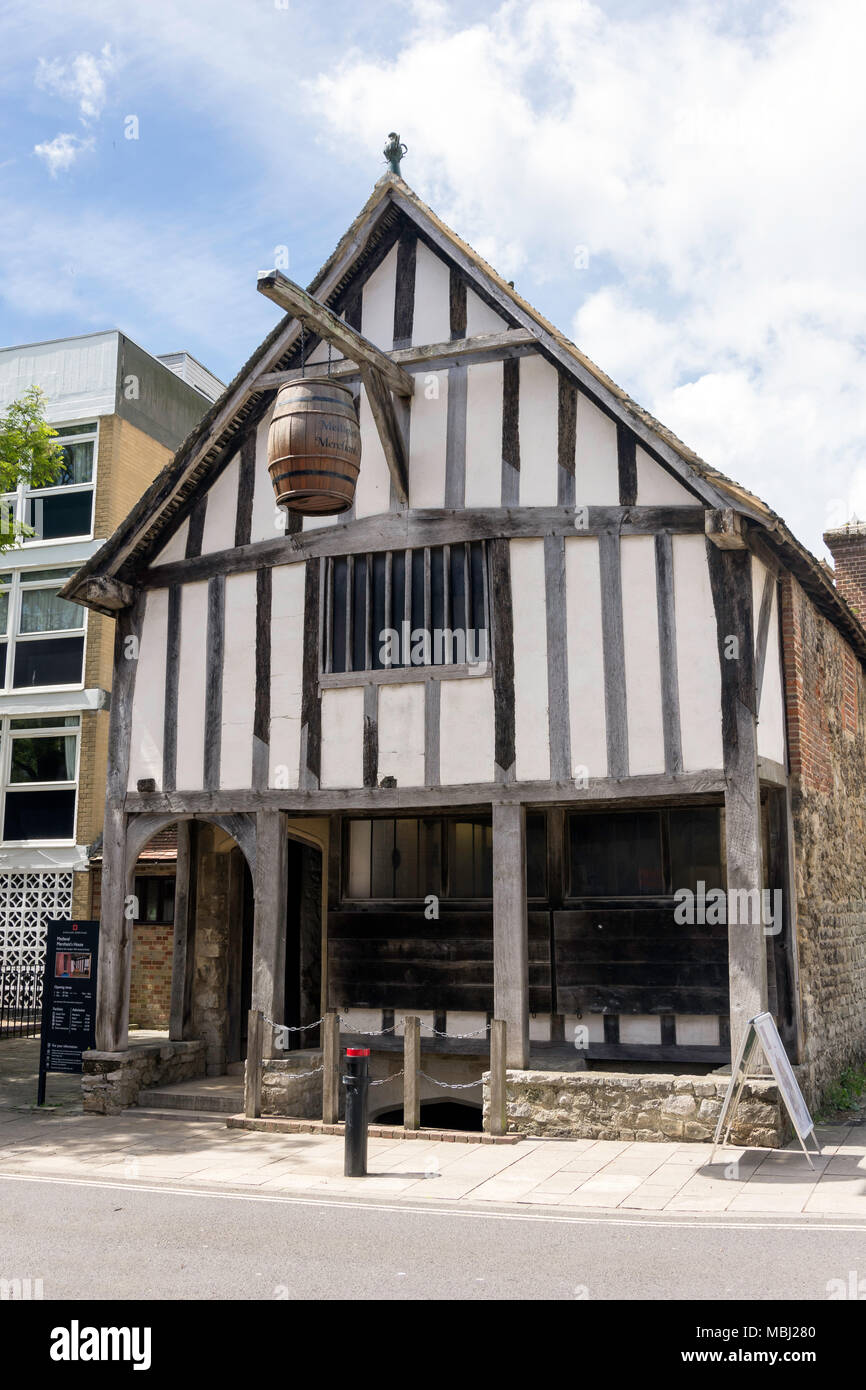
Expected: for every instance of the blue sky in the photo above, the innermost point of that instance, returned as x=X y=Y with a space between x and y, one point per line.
x=676 y=185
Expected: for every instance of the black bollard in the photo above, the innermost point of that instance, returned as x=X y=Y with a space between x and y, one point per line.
x=356 y=1082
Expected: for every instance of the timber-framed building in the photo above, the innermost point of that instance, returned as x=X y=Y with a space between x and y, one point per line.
x=621 y=706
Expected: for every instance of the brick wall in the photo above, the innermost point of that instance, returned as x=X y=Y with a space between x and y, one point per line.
x=847 y=545
x=825 y=689
x=150 y=989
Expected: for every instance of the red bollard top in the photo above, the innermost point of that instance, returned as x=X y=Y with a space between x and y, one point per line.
x=357 y=1051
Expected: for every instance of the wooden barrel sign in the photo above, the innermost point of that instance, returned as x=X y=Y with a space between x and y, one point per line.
x=314 y=447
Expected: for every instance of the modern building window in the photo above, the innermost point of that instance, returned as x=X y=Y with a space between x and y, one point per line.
x=450 y=857
x=38 y=777
x=633 y=854
x=41 y=635
x=404 y=608
x=155 y=894
x=65 y=509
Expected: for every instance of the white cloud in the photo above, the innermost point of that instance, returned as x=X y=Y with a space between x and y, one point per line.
x=82 y=79
x=61 y=153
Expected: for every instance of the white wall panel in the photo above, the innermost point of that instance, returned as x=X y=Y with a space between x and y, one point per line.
x=484 y=435
x=192 y=668
x=531 y=730
x=697 y=656
x=771 y=707
x=239 y=681
x=427 y=440
x=222 y=509
x=432 y=317
x=538 y=419
x=401 y=733
x=287 y=656
x=264 y=507
x=377 y=303
x=585 y=656
x=148 y=703
x=596 y=482
x=466 y=740
x=646 y=749
x=343 y=737
x=480 y=319
x=175 y=549
x=658 y=488
x=373 y=490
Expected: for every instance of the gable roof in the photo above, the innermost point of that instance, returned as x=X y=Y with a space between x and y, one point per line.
x=216 y=437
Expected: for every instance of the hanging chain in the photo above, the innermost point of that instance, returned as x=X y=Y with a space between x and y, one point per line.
x=329 y=357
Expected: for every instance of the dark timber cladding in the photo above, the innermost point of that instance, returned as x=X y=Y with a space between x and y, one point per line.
x=371 y=735
x=627 y=465
x=502 y=625
x=404 y=297
x=196 y=527
x=731 y=583
x=668 y=653
x=246 y=484
x=615 y=707
x=557 y=658
x=455 y=437
x=457 y=304
x=511 y=432
x=172 y=664
x=567 y=440
x=216 y=595
x=262 y=708
x=311 y=706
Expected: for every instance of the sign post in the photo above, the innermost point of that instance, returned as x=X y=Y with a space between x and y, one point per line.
x=762 y=1030
x=68 y=998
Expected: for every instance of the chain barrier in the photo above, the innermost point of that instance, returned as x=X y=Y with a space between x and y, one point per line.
x=386 y=1079
x=287 y=1028
x=450 y=1085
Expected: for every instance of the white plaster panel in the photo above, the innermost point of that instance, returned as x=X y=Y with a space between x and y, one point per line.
x=265 y=511
x=484 y=435
x=697 y=1030
x=596 y=482
x=594 y=1023
x=373 y=490
x=401 y=733
x=528 y=600
x=148 y=701
x=432 y=316
x=481 y=319
x=538 y=420
x=585 y=656
x=175 y=549
x=658 y=488
x=377 y=303
x=697 y=656
x=427 y=440
x=646 y=749
x=222 y=509
x=192 y=668
x=466 y=731
x=640 y=1028
x=343 y=737
x=771 y=699
x=239 y=681
x=287 y=655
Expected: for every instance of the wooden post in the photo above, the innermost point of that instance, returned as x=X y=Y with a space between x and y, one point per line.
x=253 y=1070
x=510 y=942
x=497 y=1121
x=183 y=955
x=411 y=1067
x=331 y=1068
x=269 y=924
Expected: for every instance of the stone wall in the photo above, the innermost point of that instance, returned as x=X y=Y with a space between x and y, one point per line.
x=111 y=1081
x=824 y=685
x=288 y=1090
x=655 y=1108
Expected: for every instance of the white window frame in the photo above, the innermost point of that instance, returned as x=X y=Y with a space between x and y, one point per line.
x=13 y=634
x=7 y=786
x=24 y=492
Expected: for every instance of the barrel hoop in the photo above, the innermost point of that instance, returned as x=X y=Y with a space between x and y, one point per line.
x=313 y=473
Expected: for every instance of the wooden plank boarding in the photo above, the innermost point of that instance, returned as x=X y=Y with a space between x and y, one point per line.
x=762 y=1031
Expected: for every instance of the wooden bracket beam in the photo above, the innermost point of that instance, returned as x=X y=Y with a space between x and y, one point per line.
x=309 y=311
x=391 y=434
x=724 y=527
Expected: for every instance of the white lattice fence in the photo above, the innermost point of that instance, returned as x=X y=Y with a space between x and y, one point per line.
x=27 y=902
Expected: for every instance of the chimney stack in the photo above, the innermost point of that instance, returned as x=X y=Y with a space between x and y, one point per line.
x=847 y=545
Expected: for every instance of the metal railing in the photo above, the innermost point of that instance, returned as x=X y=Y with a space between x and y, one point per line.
x=20 y=1001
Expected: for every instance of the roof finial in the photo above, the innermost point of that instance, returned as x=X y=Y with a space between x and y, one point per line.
x=394 y=152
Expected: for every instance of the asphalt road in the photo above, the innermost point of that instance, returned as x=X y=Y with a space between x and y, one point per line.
x=128 y=1241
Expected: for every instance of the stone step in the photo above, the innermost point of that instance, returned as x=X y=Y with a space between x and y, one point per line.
x=227 y=1102
x=213 y=1117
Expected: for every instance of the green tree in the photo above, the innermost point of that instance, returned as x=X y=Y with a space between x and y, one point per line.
x=29 y=453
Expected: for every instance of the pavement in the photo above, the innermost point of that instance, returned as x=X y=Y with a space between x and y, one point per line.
x=196 y=1151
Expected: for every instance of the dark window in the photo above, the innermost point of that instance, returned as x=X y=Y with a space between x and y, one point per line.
x=470 y=859
x=445 y=609
x=39 y=815
x=43 y=759
x=50 y=661
x=536 y=855
x=59 y=514
x=155 y=894
x=628 y=854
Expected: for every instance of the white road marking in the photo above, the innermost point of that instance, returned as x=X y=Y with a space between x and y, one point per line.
x=611 y=1220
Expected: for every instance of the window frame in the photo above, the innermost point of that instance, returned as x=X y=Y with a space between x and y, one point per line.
x=13 y=634
x=24 y=492
x=8 y=787
x=574 y=900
